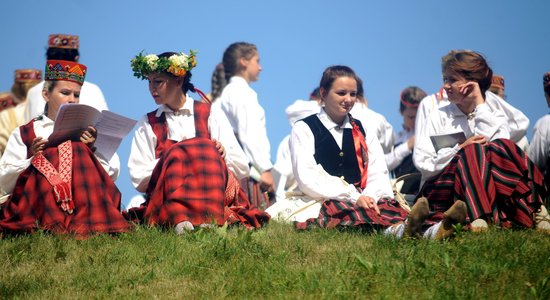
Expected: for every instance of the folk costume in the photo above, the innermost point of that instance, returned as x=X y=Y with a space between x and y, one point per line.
x=91 y=94
x=375 y=122
x=174 y=161
x=240 y=104
x=497 y=181
x=334 y=165
x=63 y=189
x=13 y=117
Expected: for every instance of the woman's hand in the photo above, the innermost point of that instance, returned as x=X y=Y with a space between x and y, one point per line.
x=38 y=145
x=476 y=139
x=220 y=147
x=368 y=203
x=88 y=137
x=470 y=90
x=266 y=182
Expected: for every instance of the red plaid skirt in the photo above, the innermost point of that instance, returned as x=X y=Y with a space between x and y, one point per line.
x=96 y=199
x=336 y=213
x=189 y=184
x=497 y=181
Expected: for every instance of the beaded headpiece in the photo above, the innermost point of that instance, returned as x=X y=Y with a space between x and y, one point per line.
x=65 y=41
x=178 y=64
x=65 y=70
x=28 y=75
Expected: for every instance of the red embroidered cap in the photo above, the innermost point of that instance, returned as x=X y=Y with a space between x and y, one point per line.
x=28 y=75
x=65 y=70
x=65 y=41
x=497 y=81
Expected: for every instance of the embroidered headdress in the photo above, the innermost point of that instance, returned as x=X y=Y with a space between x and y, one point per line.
x=65 y=70
x=28 y=75
x=6 y=100
x=65 y=41
x=178 y=64
x=497 y=81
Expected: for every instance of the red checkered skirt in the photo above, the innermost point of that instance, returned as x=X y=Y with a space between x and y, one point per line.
x=96 y=199
x=189 y=184
x=497 y=181
x=336 y=213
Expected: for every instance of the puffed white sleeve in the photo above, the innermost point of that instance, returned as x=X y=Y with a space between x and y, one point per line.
x=142 y=159
x=252 y=132
x=539 y=149
x=517 y=121
x=13 y=162
x=386 y=135
x=378 y=181
x=425 y=158
x=220 y=129
x=312 y=179
x=491 y=124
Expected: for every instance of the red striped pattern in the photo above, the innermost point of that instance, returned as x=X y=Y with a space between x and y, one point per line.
x=497 y=181
x=336 y=213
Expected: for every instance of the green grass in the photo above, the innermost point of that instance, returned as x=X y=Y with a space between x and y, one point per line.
x=276 y=262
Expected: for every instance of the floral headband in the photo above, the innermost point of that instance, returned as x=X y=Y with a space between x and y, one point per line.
x=177 y=64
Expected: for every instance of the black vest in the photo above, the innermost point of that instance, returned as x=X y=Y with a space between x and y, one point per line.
x=341 y=163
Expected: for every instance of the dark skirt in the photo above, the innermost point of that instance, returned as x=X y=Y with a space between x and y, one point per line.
x=497 y=182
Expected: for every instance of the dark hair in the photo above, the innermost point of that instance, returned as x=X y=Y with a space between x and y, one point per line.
x=315 y=95
x=411 y=97
x=187 y=85
x=62 y=54
x=232 y=56
x=546 y=83
x=332 y=73
x=470 y=65
x=218 y=81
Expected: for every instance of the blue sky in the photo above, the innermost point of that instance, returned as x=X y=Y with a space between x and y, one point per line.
x=390 y=44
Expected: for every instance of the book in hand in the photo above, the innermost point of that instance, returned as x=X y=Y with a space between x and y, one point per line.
x=447 y=140
x=73 y=118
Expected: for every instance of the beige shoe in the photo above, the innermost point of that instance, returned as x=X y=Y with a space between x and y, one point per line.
x=479 y=225
x=183 y=227
x=542 y=220
x=419 y=212
x=454 y=215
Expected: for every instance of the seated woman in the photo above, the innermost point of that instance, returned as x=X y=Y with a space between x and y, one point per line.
x=177 y=158
x=399 y=160
x=340 y=169
x=487 y=171
x=62 y=188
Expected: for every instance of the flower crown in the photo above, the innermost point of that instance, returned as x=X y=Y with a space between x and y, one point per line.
x=177 y=64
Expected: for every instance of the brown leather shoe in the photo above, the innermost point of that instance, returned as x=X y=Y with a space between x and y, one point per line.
x=419 y=212
x=454 y=215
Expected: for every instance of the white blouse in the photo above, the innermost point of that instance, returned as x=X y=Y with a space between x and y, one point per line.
x=399 y=152
x=374 y=122
x=449 y=119
x=539 y=149
x=247 y=118
x=316 y=183
x=181 y=126
x=15 y=161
